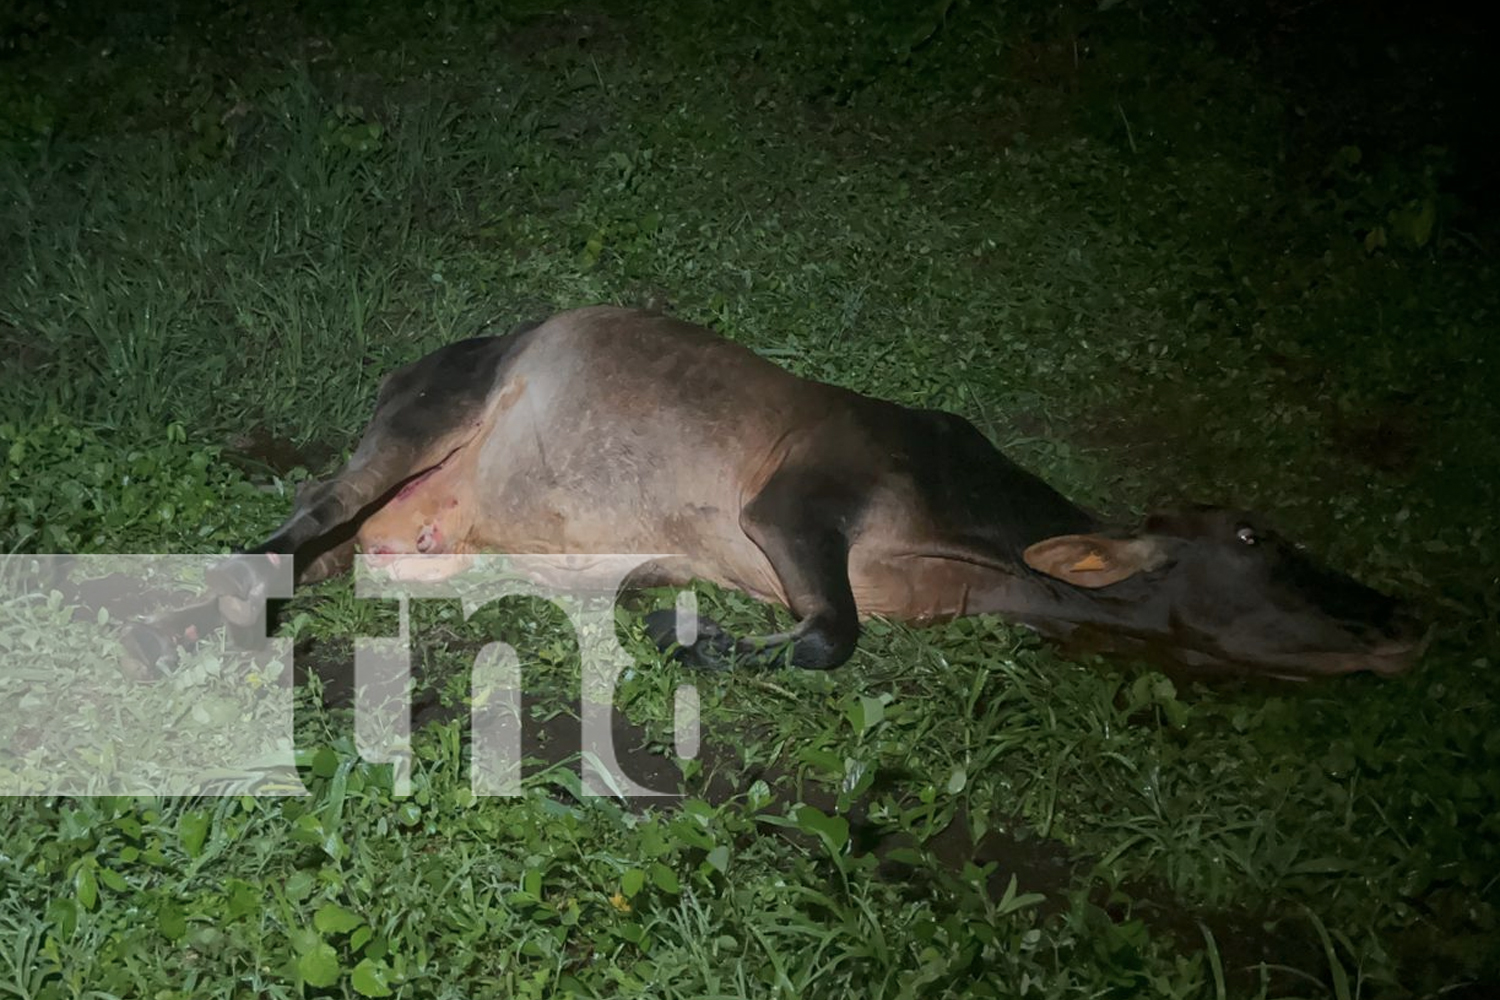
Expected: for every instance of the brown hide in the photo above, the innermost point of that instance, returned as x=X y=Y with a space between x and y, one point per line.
x=581 y=450
x=608 y=430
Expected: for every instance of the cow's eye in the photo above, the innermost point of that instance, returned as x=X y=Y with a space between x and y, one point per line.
x=1246 y=535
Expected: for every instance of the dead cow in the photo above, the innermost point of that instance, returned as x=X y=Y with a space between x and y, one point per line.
x=619 y=430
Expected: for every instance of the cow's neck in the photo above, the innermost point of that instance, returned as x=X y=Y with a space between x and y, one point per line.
x=1056 y=608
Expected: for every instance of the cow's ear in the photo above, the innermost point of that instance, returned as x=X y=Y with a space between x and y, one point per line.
x=1094 y=560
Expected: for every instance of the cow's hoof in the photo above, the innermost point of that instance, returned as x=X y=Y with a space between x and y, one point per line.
x=241 y=590
x=235 y=576
x=242 y=613
x=712 y=648
x=147 y=653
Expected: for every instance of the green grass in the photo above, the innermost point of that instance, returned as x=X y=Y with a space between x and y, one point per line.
x=1102 y=235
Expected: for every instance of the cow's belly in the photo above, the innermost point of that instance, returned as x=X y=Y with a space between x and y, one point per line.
x=608 y=491
x=557 y=472
x=695 y=534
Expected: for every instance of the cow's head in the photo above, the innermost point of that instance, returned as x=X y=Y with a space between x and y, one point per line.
x=1214 y=588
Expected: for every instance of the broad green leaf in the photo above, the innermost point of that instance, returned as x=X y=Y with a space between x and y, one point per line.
x=865 y=714
x=319 y=966
x=371 y=979
x=325 y=763
x=832 y=830
x=332 y=918
x=85 y=887
x=665 y=879
x=192 y=830
x=171 y=921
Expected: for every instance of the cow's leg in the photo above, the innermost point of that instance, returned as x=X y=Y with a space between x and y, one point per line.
x=426 y=411
x=240 y=585
x=800 y=520
x=328 y=563
x=377 y=468
x=150 y=646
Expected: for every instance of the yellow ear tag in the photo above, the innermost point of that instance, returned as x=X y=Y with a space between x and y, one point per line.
x=1091 y=563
